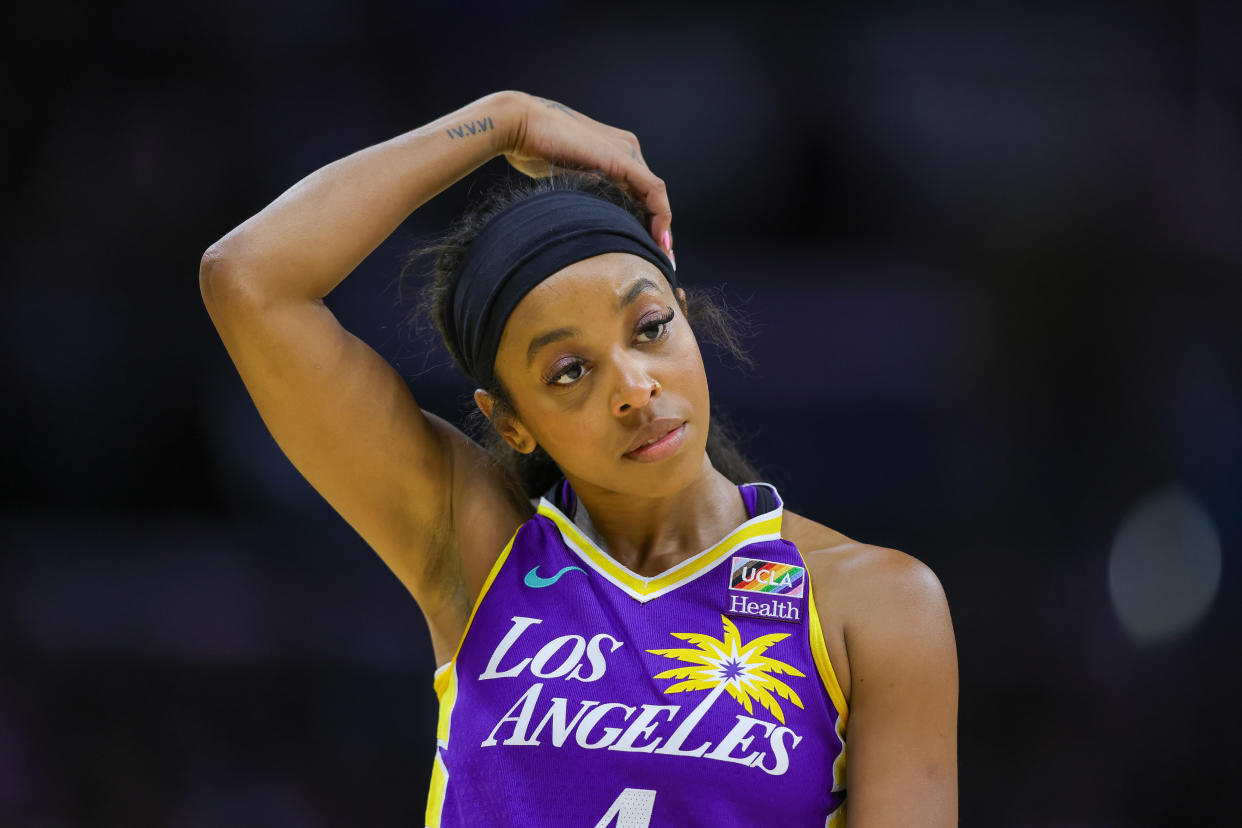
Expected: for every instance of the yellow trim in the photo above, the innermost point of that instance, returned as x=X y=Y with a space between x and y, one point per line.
x=491 y=576
x=435 y=797
x=761 y=527
x=446 y=691
x=839 y=765
x=819 y=652
x=823 y=665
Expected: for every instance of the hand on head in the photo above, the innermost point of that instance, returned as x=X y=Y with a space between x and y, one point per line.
x=551 y=135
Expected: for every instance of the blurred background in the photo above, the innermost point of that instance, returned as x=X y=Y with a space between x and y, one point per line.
x=992 y=254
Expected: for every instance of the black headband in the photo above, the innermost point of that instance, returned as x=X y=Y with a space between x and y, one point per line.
x=521 y=246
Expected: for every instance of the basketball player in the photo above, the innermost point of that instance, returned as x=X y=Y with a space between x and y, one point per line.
x=649 y=643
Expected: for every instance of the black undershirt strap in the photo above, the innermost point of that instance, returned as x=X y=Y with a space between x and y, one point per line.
x=765 y=501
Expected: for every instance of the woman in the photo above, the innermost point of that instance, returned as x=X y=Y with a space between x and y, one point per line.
x=650 y=643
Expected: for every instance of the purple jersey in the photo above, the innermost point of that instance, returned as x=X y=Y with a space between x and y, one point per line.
x=583 y=694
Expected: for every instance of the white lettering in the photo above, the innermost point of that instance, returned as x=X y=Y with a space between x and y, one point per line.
x=596 y=656
x=672 y=747
x=493 y=671
x=560 y=728
x=776 y=609
x=590 y=720
x=642 y=726
x=520 y=721
x=736 y=738
x=635 y=733
x=543 y=665
x=779 y=752
x=550 y=649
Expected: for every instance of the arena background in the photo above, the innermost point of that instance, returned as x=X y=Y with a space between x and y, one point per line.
x=992 y=257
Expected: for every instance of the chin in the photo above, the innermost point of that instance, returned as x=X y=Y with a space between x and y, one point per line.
x=667 y=476
x=640 y=479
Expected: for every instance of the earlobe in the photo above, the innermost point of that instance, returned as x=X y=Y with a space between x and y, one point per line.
x=681 y=299
x=515 y=435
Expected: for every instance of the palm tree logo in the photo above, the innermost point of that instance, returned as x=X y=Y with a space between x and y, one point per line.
x=730 y=666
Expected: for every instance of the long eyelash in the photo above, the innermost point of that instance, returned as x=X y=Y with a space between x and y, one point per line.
x=659 y=322
x=552 y=380
x=667 y=318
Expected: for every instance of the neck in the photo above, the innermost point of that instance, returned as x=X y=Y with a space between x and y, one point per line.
x=648 y=535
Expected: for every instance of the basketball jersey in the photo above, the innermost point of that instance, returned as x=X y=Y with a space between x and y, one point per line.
x=583 y=694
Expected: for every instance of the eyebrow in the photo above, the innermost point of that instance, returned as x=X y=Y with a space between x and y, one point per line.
x=548 y=338
x=641 y=285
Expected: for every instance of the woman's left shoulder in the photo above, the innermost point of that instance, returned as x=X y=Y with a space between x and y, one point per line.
x=868 y=597
x=837 y=561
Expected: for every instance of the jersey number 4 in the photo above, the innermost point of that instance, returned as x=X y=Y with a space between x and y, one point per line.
x=632 y=809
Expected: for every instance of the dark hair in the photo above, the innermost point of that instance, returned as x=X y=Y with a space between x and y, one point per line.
x=712 y=320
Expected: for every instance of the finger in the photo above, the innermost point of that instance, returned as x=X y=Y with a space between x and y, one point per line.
x=654 y=194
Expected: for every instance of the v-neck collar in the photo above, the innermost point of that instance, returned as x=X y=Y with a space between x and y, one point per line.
x=762 y=527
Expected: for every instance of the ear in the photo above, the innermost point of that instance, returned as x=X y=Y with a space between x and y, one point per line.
x=506 y=423
x=681 y=300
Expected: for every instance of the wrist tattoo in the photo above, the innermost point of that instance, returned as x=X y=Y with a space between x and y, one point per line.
x=554 y=105
x=467 y=128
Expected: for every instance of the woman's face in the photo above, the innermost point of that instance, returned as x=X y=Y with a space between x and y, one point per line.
x=598 y=358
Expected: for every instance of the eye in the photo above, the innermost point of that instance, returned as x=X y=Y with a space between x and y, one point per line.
x=656 y=329
x=568 y=374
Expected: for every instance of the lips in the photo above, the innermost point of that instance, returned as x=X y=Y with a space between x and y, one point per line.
x=653 y=432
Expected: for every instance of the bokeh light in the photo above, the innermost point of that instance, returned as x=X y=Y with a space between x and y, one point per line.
x=1164 y=569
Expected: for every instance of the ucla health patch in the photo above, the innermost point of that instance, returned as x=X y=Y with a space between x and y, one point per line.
x=766 y=589
x=767 y=577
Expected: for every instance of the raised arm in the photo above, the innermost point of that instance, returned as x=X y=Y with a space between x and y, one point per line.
x=417 y=490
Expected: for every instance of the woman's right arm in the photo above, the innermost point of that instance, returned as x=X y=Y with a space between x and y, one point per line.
x=418 y=491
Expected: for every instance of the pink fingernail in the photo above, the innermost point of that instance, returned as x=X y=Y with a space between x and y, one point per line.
x=667 y=240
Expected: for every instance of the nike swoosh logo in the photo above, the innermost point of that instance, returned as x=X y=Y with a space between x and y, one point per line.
x=534 y=579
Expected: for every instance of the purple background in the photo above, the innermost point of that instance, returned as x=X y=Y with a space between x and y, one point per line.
x=992 y=253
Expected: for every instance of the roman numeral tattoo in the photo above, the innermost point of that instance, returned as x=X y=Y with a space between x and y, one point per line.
x=468 y=128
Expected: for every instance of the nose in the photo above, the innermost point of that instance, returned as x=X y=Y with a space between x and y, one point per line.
x=635 y=386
